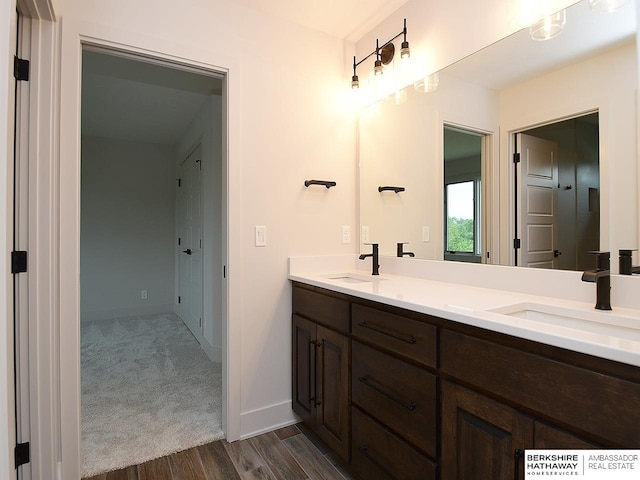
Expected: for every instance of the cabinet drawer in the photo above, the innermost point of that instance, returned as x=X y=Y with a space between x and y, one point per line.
x=404 y=336
x=329 y=311
x=400 y=395
x=601 y=405
x=379 y=454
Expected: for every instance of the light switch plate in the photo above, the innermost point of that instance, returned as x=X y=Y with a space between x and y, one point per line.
x=346 y=234
x=364 y=234
x=261 y=236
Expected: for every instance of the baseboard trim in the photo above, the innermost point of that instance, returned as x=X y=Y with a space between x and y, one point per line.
x=125 y=312
x=213 y=352
x=267 y=419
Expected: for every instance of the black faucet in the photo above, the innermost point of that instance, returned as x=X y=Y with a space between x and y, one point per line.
x=602 y=278
x=402 y=253
x=374 y=258
x=626 y=268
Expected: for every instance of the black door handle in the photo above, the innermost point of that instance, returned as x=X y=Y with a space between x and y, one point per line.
x=187 y=251
x=557 y=253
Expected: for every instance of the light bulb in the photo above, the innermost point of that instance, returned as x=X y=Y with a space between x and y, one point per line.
x=549 y=27
x=606 y=6
x=355 y=83
x=400 y=97
x=378 y=69
x=428 y=84
x=405 y=53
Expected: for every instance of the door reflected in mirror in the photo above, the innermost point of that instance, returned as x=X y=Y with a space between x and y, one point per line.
x=558 y=178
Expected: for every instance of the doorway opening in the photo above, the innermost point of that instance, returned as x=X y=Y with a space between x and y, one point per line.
x=464 y=207
x=151 y=259
x=557 y=194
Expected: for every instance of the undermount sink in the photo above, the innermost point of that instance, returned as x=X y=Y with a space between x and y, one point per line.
x=597 y=322
x=351 y=278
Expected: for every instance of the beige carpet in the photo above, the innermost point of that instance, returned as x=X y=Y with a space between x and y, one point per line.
x=148 y=390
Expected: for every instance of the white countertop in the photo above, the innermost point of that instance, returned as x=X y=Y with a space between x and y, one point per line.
x=613 y=335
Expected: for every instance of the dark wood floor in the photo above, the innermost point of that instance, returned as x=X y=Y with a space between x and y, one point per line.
x=290 y=453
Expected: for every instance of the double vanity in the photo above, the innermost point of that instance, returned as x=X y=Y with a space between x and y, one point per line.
x=418 y=378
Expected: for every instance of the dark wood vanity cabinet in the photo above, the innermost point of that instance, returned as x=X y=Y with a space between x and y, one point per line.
x=320 y=368
x=393 y=396
x=434 y=399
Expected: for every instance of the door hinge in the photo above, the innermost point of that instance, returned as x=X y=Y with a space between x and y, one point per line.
x=179 y=241
x=22 y=454
x=200 y=323
x=20 y=69
x=516 y=158
x=179 y=299
x=179 y=182
x=19 y=261
x=224 y=271
x=199 y=164
x=516 y=243
x=488 y=255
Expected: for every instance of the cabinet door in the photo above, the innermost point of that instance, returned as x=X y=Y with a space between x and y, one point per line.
x=550 y=438
x=332 y=416
x=480 y=436
x=304 y=369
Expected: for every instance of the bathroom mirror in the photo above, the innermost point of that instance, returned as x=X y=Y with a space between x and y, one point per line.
x=458 y=142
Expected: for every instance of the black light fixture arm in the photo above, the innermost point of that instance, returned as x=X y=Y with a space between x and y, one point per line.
x=380 y=50
x=377 y=50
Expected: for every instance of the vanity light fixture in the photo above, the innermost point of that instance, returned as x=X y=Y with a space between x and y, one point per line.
x=549 y=27
x=606 y=6
x=428 y=84
x=384 y=55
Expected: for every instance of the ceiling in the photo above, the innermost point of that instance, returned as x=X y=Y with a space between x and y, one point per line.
x=346 y=19
x=586 y=33
x=131 y=99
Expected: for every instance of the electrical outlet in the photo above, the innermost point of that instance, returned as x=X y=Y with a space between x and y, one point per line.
x=346 y=234
x=261 y=236
x=425 y=234
x=364 y=234
x=143 y=294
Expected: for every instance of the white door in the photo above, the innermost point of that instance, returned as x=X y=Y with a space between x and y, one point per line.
x=189 y=218
x=537 y=192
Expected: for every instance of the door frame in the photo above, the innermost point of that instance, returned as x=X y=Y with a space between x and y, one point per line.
x=551 y=112
x=513 y=212
x=64 y=203
x=487 y=128
x=486 y=160
x=37 y=136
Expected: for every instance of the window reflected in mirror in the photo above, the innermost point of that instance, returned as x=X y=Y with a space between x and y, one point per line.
x=462 y=195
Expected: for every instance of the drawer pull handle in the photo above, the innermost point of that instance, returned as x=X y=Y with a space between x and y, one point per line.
x=368 y=382
x=364 y=450
x=517 y=455
x=412 y=340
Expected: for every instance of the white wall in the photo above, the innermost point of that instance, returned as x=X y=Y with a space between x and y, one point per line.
x=287 y=123
x=206 y=129
x=127 y=228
